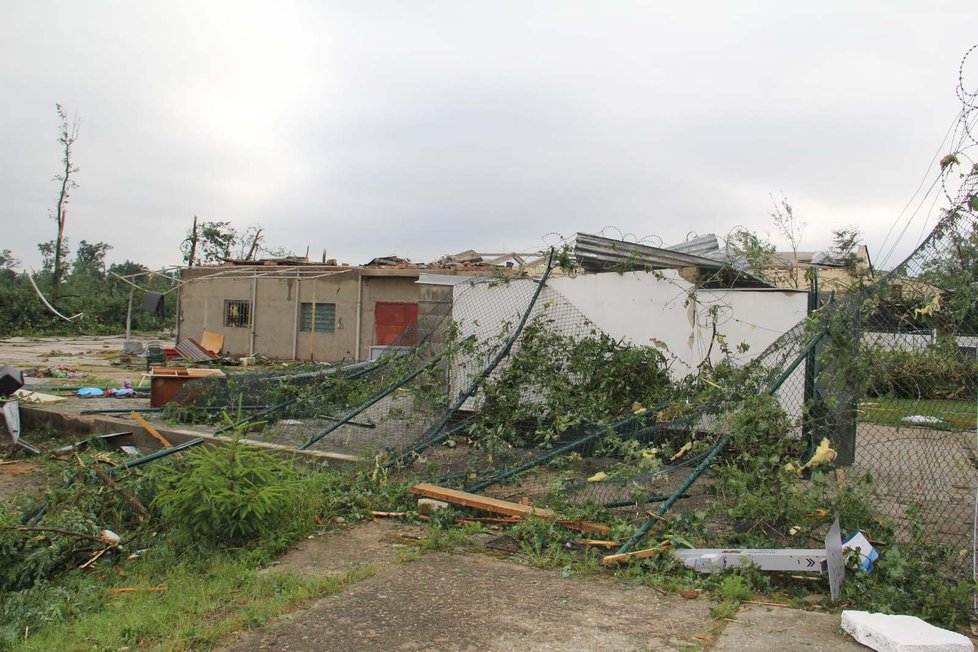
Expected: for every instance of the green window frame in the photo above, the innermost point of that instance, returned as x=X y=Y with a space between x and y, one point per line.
x=325 y=314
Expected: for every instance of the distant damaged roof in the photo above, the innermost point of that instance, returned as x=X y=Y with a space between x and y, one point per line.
x=599 y=254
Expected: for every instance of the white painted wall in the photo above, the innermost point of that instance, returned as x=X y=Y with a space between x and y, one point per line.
x=666 y=311
x=661 y=310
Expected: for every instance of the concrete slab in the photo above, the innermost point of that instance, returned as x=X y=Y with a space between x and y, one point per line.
x=785 y=630
x=479 y=603
x=897 y=633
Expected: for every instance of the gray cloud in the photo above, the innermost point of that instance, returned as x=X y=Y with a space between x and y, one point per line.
x=426 y=128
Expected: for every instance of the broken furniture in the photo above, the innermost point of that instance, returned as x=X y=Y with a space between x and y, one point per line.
x=165 y=382
x=155 y=355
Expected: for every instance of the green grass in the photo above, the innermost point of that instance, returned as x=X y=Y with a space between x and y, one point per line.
x=955 y=415
x=206 y=600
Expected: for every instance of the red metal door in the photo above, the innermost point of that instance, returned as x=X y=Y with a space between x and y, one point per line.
x=390 y=320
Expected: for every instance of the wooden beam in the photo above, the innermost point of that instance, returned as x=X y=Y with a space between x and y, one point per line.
x=150 y=429
x=476 y=501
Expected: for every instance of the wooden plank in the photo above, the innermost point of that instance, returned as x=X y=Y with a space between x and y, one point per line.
x=150 y=429
x=630 y=556
x=476 y=501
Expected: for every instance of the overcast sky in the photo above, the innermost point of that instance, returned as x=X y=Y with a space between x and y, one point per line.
x=425 y=128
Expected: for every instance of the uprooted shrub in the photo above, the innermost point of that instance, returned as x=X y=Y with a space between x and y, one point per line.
x=937 y=371
x=234 y=495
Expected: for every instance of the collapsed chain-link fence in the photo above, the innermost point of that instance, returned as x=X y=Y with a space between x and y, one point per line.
x=509 y=389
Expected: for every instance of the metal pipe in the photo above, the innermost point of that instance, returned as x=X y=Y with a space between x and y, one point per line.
x=295 y=329
x=129 y=315
x=356 y=357
x=776 y=385
x=252 y=314
x=139 y=461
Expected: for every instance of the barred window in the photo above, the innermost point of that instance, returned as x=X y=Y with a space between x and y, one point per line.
x=325 y=314
x=237 y=313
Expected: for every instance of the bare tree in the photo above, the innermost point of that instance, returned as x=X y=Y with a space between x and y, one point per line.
x=189 y=245
x=791 y=227
x=67 y=138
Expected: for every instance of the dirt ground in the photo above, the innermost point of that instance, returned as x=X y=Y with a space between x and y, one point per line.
x=88 y=356
x=20 y=478
x=478 y=601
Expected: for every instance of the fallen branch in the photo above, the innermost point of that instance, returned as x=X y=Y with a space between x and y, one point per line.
x=107 y=481
x=95 y=558
x=388 y=514
x=134 y=589
x=80 y=535
x=767 y=604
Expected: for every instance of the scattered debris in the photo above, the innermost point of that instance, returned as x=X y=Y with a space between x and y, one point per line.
x=192 y=350
x=858 y=542
x=920 y=418
x=54 y=371
x=11 y=380
x=889 y=633
x=211 y=342
x=83 y=444
x=829 y=560
x=28 y=396
x=11 y=417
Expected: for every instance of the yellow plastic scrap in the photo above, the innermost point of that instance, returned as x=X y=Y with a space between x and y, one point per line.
x=649 y=453
x=598 y=477
x=682 y=451
x=823 y=455
x=933 y=306
x=637 y=408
